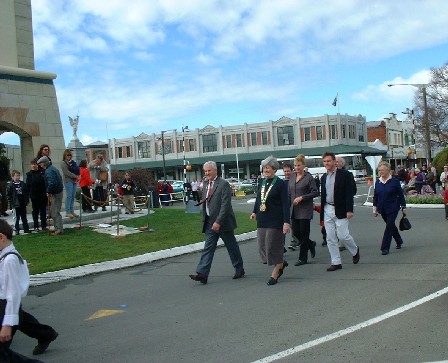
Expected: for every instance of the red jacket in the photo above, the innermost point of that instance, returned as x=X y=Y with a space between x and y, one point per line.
x=445 y=196
x=84 y=178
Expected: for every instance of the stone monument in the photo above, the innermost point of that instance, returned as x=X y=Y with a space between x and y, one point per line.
x=76 y=146
x=28 y=103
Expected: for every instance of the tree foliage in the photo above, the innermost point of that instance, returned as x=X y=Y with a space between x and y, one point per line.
x=437 y=102
x=440 y=160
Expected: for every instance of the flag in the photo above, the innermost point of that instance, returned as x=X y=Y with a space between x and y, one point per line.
x=335 y=101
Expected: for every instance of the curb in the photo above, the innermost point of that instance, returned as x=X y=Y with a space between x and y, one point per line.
x=428 y=206
x=94 y=268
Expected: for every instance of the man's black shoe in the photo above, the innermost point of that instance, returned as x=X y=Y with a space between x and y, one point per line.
x=42 y=346
x=199 y=277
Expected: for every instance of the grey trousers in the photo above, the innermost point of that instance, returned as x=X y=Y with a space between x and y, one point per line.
x=55 y=212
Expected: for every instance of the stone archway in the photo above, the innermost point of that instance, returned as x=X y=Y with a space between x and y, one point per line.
x=28 y=102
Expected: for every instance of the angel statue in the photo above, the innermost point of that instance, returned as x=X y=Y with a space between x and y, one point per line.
x=74 y=123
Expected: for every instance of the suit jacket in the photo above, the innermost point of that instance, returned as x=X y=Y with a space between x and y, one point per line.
x=219 y=205
x=343 y=193
x=305 y=188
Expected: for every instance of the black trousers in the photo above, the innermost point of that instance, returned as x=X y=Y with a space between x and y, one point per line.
x=21 y=214
x=85 y=203
x=99 y=195
x=30 y=326
x=39 y=210
x=6 y=354
x=301 y=231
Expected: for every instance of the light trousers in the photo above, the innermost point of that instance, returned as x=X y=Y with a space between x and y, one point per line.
x=337 y=229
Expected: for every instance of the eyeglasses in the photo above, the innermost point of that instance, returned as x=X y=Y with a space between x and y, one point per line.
x=46 y=148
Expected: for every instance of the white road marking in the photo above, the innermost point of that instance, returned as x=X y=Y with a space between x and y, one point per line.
x=352 y=329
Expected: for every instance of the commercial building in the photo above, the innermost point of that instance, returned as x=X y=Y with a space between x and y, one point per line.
x=239 y=149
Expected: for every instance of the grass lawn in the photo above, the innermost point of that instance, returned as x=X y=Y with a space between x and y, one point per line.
x=173 y=227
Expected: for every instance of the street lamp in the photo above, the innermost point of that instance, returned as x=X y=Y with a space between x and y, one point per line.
x=422 y=88
x=410 y=114
x=184 y=128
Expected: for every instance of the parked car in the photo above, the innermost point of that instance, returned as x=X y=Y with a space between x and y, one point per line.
x=178 y=186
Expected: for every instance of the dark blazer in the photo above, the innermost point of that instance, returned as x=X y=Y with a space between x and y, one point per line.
x=388 y=197
x=343 y=193
x=277 y=211
x=219 y=205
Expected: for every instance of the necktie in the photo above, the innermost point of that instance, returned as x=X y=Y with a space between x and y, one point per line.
x=209 y=193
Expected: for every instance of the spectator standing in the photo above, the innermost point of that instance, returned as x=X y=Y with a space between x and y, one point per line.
x=35 y=183
x=98 y=172
x=127 y=191
x=70 y=173
x=433 y=169
x=337 y=210
x=85 y=183
x=271 y=210
x=420 y=180
x=445 y=201
x=4 y=178
x=301 y=192
x=194 y=190
x=18 y=198
x=54 y=188
x=444 y=177
x=388 y=198
x=218 y=221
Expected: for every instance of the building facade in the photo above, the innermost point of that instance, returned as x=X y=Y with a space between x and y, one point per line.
x=398 y=139
x=239 y=149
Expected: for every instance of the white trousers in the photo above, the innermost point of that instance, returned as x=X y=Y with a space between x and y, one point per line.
x=337 y=229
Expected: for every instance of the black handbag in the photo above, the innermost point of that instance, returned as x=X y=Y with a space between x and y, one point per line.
x=404 y=224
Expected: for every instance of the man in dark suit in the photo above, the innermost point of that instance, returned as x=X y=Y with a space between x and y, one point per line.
x=218 y=221
x=337 y=209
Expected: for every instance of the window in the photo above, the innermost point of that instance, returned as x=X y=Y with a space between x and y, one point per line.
x=144 y=149
x=191 y=144
x=128 y=151
x=360 y=132
x=168 y=147
x=265 y=137
x=351 y=131
x=239 y=140
x=285 y=135
x=253 y=138
x=319 y=133
x=209 y=143
x=228 y=141
x=120 y=152
x=343 y=131
x=306 y=133
x=333 y=132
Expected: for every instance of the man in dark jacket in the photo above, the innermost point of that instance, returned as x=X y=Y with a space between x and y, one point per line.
x=337 y=209
x=54 y=188
x=4 y=178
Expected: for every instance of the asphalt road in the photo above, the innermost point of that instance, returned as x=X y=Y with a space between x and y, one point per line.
x=155 y=313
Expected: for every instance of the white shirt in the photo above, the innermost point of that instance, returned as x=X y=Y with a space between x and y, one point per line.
x=14 y=283
x=194 y=186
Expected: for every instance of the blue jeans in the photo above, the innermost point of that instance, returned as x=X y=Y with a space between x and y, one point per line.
x=211 y=240
x=70 y=191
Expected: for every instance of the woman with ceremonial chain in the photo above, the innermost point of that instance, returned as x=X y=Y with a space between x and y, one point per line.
x=271 y=211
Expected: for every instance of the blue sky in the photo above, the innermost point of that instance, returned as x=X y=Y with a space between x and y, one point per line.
x=128 y=67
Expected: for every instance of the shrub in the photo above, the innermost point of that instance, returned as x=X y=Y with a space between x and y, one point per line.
x=248 y=189
x=424 y=200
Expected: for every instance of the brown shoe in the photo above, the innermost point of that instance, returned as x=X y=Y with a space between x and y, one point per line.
x=356 y=257
x=199 y=277
x=334 y=267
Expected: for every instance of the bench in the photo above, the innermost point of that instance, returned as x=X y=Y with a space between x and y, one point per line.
x=172 y=197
